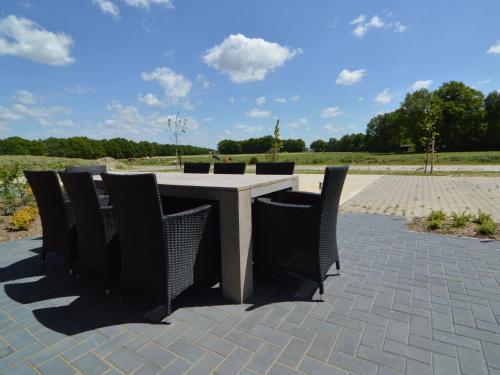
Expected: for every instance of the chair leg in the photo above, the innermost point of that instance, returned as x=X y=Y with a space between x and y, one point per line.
x=321 y=291
x=337 y=265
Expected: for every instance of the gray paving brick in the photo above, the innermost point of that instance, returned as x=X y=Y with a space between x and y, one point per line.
x=264 y=358
x=407 y=351
x=373 y=336
x=125 y=360
x=90 y=364
x=382 y=358
x=348 y=341
x=20 y=355
x=319 y=326
x=481 y=312
x=21 y=369
x=477 y=334
x=398 y=331
x=234 y=362
x=352 y=364
x=417 y=368
x=293 y=352
x=187 y=350
x=278 y=369
x=171 y=334
x=471 y=362
x=217 y=345
x=272 y=335
x=297 y=331
x=312 y=366
x=433 y=346
x=56 y=366
x=177 y=367
x=457 y=340
x=445 y=365
x=245 y=340
x=206 y=364
x=491 y=354
x=321 y=347
x=156 y=355
x=224 y=327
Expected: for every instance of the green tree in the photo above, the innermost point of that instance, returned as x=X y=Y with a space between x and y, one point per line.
x=319 y=146
x=461 y=125
x=492 y=117
x=384 y=133
x=277 y=144
x=229 y=147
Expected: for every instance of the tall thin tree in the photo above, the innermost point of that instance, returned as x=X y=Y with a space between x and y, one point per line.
x=177 y=127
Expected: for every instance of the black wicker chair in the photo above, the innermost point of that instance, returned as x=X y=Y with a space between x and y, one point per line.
x=283 y=168
x=58 y=223
x=92 y=169
x=161 y=255
x=300 y=233
x=229 y=168
x=196 y=167
x=97 y=228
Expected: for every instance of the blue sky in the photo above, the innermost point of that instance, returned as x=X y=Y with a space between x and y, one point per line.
x=121 y=68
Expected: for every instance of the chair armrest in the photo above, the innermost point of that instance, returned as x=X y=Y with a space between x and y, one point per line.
x=301 y=197
x=103 y=200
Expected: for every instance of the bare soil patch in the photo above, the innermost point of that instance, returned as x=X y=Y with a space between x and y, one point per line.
x=7 y=233
x=419 y=224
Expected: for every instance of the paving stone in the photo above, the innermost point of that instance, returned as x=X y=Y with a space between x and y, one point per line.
x=245 y=340
x=234 y=362
x=471 y=362
x=434 y=346
x=373 y=336
x=206 y=364
x=264 y=358
x=177 y=367
x=217 y=345
x=417 y=368
x=382 y=358
x=156 y=355
x=278 y=369
x=56 y=366
x=90 y=364
x=398 y=331
x=445 y=365
x=293 y=352
x=407 y=351
x=352 y=364
x=321 y=347
x=491 y=354
x=271 y=335
x=312 y=366
x=348 y=341
x=187 y=350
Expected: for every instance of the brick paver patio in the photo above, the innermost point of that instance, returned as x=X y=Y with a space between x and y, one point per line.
x=404 y=303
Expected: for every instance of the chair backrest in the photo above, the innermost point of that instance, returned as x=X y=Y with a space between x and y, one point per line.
x=89 y=224
x=137 y=205
x=49 y=197
x=92 y=169
x=196 y=167
x=229 y=168
x=333 y=183
x=283 y=168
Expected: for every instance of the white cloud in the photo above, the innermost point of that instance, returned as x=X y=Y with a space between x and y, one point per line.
x=261 y=100
x=376 y=22
x=151 y=100
x=384 y=97
x=257 y=113
x=298 y=123
x=331 y=128
x=280 y=100
x=23 y=37
x=419 y=85
x=347 y=77
x=146 y=4
x=295 y=98
x=80 y=90
x=247 y=59
x=175 y=85
x=331 y=112
x=208 y=119
x=249 y=129
x=495 y=48
x=109 y=7
x=25 y=97
x=202 y=80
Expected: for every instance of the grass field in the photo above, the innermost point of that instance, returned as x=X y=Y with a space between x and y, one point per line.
x=354 y=158
x=41 y=162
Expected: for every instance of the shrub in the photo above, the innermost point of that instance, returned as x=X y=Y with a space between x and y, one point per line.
x=434 y=224
x=487 y=228
x=482 y=217
x=460 y=220
x=436 y=215
x=253 y=160
x=22 y=218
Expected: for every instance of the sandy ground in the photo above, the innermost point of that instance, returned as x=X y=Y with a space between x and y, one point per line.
x=353 y=185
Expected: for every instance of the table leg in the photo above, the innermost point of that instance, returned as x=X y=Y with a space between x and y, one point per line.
x=236 y=235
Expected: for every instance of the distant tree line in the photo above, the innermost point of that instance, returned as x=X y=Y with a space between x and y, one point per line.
x=85 y=148
x=460 y=117
x=259 y=145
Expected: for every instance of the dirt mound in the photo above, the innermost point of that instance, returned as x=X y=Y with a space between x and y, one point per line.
x=111 y=163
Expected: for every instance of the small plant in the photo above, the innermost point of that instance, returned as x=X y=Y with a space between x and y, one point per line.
x=482 y=217
x=487 y=228
x=434 y=224
x=437 y=215
x=22 y=218
x=460 y=220
x=253 y=160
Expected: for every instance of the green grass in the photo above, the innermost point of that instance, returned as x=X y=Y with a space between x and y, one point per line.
x=353 y=158
x=42 y=162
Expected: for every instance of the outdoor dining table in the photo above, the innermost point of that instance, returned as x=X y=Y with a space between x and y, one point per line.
x=234 y=193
